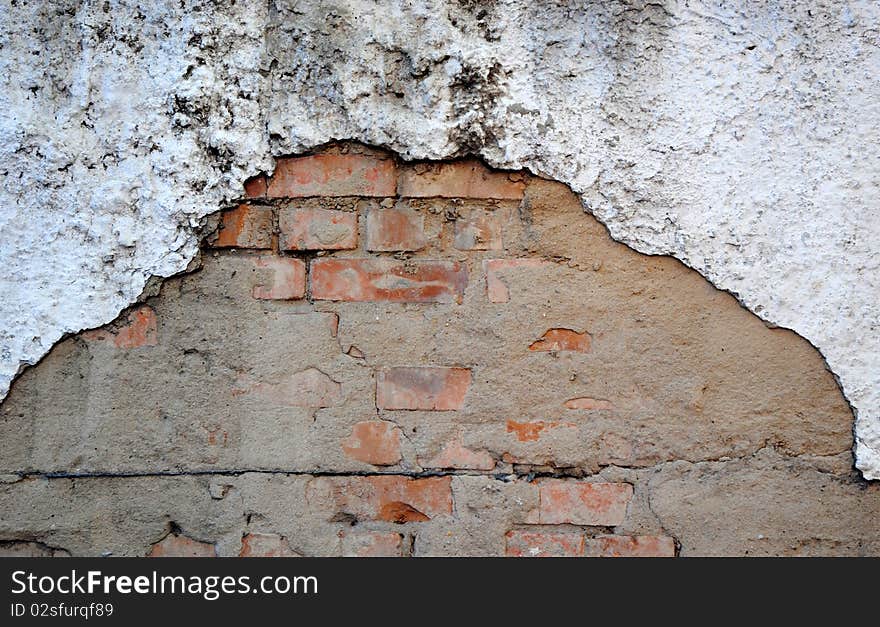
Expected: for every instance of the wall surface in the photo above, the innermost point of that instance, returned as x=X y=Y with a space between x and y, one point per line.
x=737 y=137
x=379 y=358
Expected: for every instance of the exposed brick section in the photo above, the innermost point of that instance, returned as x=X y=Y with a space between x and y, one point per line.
x=246 y=227
x=140 y=330
x=392 y=498
x=531 y=431
x=372 y=544
x=461 y=179
x=496 y=289
x=317 y=229
x=581 y=503
x=426 y=388
x=630 y=546
x=287 y=278
x=479 y=231
x=388 y=280
x=456 y=456
x=174 y=545
x=395 y=230
x=333 y=175
x=265 y=545
x=375 y=442
x=588 y=404
x=555 y=340
x=543 y=544
x=255 y=187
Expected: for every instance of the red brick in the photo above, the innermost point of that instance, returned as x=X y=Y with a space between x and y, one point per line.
x=455 y=455
x=392 y=498
x=375 y=442
x=245 y=227
x=317 y=229
x=555 y=340
x=496 y=288
x=581 y=503
x=306 y=388
x=255 y=187
x=174 y=545
x=287 y=278
x=333 y=175
x=543 y=544
x=589 y=404
x=479 y=231
x=372 y=544
x=265 y=545
x=427 y=388
x=395 y=230
x=140 y=329
x=388 y=280
x=461 y=179
x=630 y=546
x=531 y=431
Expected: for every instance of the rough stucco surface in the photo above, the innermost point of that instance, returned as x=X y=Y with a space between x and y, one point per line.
x=738 y=138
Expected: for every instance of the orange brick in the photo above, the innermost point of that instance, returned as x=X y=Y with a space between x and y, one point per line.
x=479 y=231
x=375 y=442
x=395 y=230
x=496 y=288
x=287 y=278
x=555 y=340
x=333 y=175
x=317 y=229
x=543 y=544
x=392 y=498
x=455 y=455
x=174 y=545
x=426 y=388
x=245 y=227
x=630 y=546
x=461 y=179
x=531 y=431
x=372 y=544
x=388 y=280
x=581 y=503
x=265 y=545
x=255 y=187
x=139 y=330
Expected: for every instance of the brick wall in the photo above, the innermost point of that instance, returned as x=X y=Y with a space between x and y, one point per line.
x=383 y=358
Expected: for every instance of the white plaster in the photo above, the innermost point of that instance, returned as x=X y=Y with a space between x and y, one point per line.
x=740 y=138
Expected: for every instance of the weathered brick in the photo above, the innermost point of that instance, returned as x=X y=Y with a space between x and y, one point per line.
x=175 y=545
x=581 y=503
x=531 y=431
x=375 y=442
x=372 y=544
x=139 y=330
x=422 y=387
x=543 y=544
x=317 y=229
x=461 y=179
x=306 y=388
x=245 y=226
x=287 y=278
x=496 y=288
x=555 y=340
x=395 y=230
x=630 y=546
x=392 y=498
x=479 y=231
x=255 y=187
x=388 y=280
x=589 y=404
x=266 y=545
x=455 y=455
x=333 y=175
